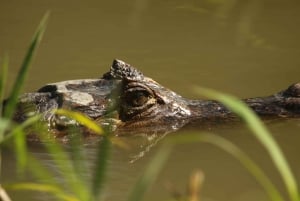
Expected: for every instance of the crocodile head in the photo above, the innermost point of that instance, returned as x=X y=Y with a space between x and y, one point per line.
x=123 y=98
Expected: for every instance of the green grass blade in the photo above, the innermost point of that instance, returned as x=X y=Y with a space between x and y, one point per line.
x=233 y=150
x=99 y=174
x=77 y=154
x=261 y=133
x=21 y=149
x=63 y=163
x=17 y=133
x=58 y=192
x=16 y=89
x=44 y=174
x=3 y=76
x=82 y=119
x=40 y=171
x=4 y=124
x=29 y=122
x=150 y=174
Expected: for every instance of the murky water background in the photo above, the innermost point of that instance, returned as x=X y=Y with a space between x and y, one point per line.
x=247 y=48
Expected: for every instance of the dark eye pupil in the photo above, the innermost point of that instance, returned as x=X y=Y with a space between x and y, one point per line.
x=137 y=98
x=140 y=99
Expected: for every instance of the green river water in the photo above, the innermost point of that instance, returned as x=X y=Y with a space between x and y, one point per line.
x=246 y=48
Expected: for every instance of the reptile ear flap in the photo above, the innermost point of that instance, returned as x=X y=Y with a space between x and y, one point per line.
x=122 y=70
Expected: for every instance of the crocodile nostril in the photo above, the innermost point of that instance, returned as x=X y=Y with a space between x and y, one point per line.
x=48 y=88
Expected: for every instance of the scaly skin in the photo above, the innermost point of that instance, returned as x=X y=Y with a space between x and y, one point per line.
x=135 y=103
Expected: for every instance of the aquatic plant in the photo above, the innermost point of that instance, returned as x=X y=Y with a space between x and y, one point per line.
x=72 y=165
x=7 y=127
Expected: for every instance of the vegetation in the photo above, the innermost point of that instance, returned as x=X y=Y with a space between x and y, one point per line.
x=79 y=188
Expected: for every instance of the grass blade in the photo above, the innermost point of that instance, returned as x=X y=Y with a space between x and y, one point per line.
x=100 y=170
x=77 y=154
x=21 y=149
x=150 y=174
x=66 y=168
x=40 y=171
x=261 y=133
x=43 y=188
x=16 y=89
x=4 y=124
x=82 y=119
x=30 y=121
x=19 y=137
x=45 y=175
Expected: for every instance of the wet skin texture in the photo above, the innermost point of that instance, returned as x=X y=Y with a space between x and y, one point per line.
x=135 y=104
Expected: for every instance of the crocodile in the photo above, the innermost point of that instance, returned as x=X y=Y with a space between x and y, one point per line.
x=132 y=103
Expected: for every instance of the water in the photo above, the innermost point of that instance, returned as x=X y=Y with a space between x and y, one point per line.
x=247 y=48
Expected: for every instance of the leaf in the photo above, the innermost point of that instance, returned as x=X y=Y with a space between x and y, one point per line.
x=99 y=174
x=66 y=168
x=17 y=86
x=40 y=171
x=43 y=188
x=21 y=149
x=82 y=119
x=28 y=122
x=4 y=124
x=261 y=133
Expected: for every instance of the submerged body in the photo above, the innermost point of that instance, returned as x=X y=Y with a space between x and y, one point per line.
x=133 y=103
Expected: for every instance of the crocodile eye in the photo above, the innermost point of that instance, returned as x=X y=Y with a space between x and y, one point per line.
x=136 y=101
x=136 y=97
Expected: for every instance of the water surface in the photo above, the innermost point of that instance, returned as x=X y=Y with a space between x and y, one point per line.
x=247 y=48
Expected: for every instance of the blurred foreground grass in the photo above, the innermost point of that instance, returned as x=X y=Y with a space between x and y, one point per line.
x=72 y=165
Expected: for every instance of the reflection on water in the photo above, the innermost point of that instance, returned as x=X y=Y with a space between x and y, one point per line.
x=248 y=48
x=225 y=178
